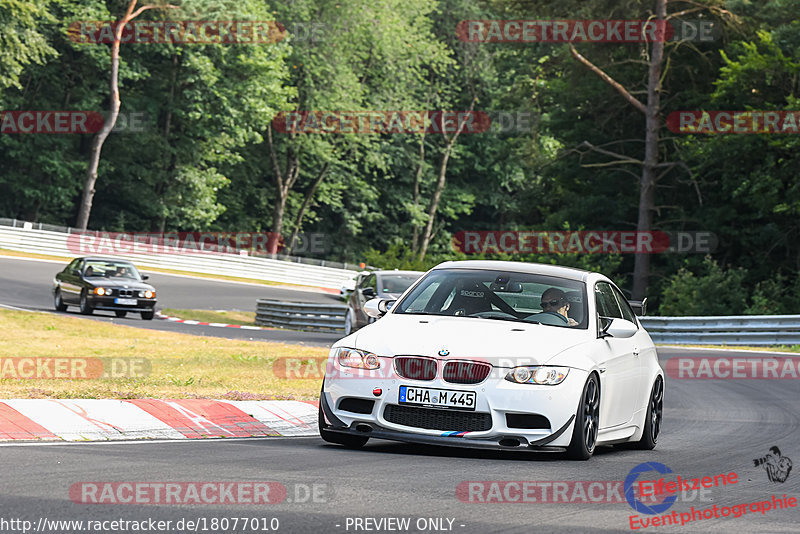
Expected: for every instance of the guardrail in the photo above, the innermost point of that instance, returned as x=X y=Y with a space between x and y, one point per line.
x=723 y=330
x=283 y=269
x=301 y=315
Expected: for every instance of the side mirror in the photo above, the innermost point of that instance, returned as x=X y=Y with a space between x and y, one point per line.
x=378 y=307
x=145 y=277
x=639 y=306
x=369 y=292
x=616 y=327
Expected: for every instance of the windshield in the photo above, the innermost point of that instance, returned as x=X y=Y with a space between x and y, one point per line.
x=397 y=283
x=501 y=295
x=118 y=270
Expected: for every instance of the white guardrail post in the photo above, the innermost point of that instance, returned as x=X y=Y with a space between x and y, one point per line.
x=26 y=237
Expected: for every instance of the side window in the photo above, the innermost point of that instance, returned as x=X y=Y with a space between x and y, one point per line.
x=372 y=281
x=627 y=311
x=607 y=305
x=76 y=264
x=362 y=278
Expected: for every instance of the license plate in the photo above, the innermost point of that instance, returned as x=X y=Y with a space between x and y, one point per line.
x=442 y=398
x=126 y=302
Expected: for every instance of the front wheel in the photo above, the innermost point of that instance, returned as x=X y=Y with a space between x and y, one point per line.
x=58 y=302
x=584 y=434
x=652 y=423
x=348 y=323
x=85 y=307
x=351 y=442
x=148 y=315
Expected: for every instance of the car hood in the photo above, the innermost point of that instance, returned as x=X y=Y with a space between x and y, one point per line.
x=501 y=343
x=110 y=282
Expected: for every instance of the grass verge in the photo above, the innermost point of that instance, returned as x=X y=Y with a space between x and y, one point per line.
x=180 y=365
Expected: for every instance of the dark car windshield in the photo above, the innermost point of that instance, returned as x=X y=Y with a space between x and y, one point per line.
x=118 y=270
x=502 y=295
x=397 y=283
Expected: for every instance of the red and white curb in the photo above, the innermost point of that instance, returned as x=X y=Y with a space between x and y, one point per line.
x=107 y=419
x=201 y=323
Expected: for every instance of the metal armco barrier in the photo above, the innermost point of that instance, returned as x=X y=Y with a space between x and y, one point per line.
x=725 y=330
x=54 y=243
x=301 y=315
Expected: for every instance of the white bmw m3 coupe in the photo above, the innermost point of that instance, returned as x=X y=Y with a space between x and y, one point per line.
x=500 y=355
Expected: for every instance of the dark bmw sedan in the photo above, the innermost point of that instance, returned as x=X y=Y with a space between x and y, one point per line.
x=111 y=284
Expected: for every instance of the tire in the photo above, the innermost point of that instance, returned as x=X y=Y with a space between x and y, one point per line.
x=148 y=315
x=654 y=417
x=86 y=308
x=348 y=323
x=587 y=419
x=120 y=313
x=351 y=442
x=58 y=302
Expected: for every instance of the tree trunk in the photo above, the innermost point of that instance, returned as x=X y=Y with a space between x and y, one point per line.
x=85 y=208
x=284 y=181
x=651 y=111
x=417 y=180
x=306 y=202
x=437 y=194
x=647 y=186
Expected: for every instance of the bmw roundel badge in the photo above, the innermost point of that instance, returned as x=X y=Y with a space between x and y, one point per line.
x=444 y=352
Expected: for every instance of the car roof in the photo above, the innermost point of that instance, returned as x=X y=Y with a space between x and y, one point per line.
x=417 y=273
x=569 y=273
x=102 y=258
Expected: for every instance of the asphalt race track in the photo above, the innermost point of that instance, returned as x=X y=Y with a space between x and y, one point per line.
x=711 y=427
x=27 y=284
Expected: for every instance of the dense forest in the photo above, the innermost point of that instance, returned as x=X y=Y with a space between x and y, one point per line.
x=579 y=137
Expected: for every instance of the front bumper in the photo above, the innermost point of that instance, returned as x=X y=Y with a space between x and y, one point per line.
x=108 y=303
x=494 y=396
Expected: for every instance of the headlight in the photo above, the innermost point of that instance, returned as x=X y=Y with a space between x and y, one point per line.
x=541 y=374
x=100 y=291
x=357 y=359
x=149 y=294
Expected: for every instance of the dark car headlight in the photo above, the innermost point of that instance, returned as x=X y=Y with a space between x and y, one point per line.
x=545 y=375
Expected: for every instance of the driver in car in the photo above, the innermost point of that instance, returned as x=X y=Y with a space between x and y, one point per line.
x=555 y=301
